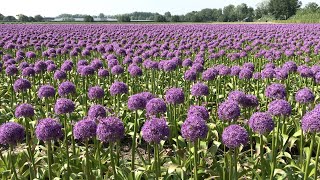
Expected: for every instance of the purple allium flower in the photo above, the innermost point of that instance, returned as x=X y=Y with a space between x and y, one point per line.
x=11 y=70
x=194 y=128
x=135 y=71
x=155 y=130
x=256 y=75
x=250 y=101
x=199 y=111
x=235 y=70
x=66 y=67
x=28 y=71
x=11 y=133
x=59 y=75
x=95 y=92
x=97 y=112
x=199 y=89
x=103 y=73
x=117 y=69
x=279 y=108
x=66 y=88
x=136 y=102
x=51 y=67
x=85 y=129
x=64 y=106
x=275 y=91
x=46 y=91
x=304 y=95
x=267 y=73
x=190 y=75
x=147 y=95
x=187 y=62
x=228 y=110
x=245 y=73
x=21 y=85
x=248 y=65
x=261 y=122
x=41 y=66
x=48 y=129
x=311 y=122
x=86 y=71
x=24 y=110
x=118 y=88
x=290 y=65
x=234 y=136
x=156 y=106
x=110 y=129
x=224 y=70
x=96 y=64
x=237 y=96
x=209 y=74
x=174 y=96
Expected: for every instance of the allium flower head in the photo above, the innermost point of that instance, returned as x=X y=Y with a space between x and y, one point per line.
x=250 y=101
x=46 y=91
x=95 y=92
x=110 y=129
x=136 y=102
x=59 y=75
x=147 y=95
x=209 y=74
x=236 y=95
x=97 y=112
x=155 y=130
x=199 y=89
x=234 y=136
x=276 y=91
x=21 y=85
x=304 y=95
x=85 y=129
x=156 y=106
x=311 y=122
x=24 y=110
x=194 y=128
x=48 y=129
x=279 y=108
x=261 y=122
x=64 y=106
x=118 y=88
x=175 y=96
x=86 y=71
x=66 y=88
x=11 y=133
x=199 y=111
x=117 y=69
x=228 y=110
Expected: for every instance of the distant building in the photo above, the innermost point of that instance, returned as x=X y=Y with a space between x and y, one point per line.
x=96 y=19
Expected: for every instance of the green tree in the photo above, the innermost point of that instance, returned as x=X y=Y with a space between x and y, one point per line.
x=123 y=18
x=1 y=17
x=88 y=19
x=242 y=12
x=175 y=18
x=216 y=14
x=38 y=18
x=31 y=19
x=311 y=7
x=167 y=15
x=229 y=13
x=262 y=9
x=23 y=18
x=159 y=18
x=206 y=14
x=283 y=9
x=9 y=19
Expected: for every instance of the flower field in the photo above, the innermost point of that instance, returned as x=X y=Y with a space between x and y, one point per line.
x=169 y=102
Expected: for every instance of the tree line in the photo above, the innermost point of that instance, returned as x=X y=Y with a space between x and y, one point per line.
x=274 y=9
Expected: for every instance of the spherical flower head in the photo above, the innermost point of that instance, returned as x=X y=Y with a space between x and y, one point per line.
x=187 y=62
x=190 y=75
x=118 y=88
x=235 y=70
x=11 y=133
x=234 y=136
x=236 y=95
x=304 y=95
x=267 y=73
x=279 y=107
x=256 y=75
x=175 y=96
x=64 y=106
x=250 y=101
x=48 y=129
x=28 y=71
x=209 y=74
x=248 y=65
x=97 y=112
x=117 y=69
x=199 y=111
x=112 y=62
x=46 y=91
x=59 y=75
x=261 y=122
x=155 y=130
x=66 y=88
x=147 y=95
x=21 y=85
x=86 y=71
x=84 y=129
x=110 y=129
x=224 y=70
x=51 y=67
x=228 y=110
x=245 y=73
x=194 y=128
x=95 y=92
x=199 y=89
x=103 y=73
x=136 y=102
x=156 y=106
x=66 y=67
x=290 y=65
x=135 y=71
x=41 y=66
x=24 y=110
x=275 y=91
x=11 y=70
x=310 y=122
x=96 y=64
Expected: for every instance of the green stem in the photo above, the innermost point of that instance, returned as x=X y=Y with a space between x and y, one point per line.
x=309 y=157
x=195 y=143
x=156 y=160
x=66 y=143
x=317 y=160
x=49 y=158
x=87 y=161
x=112 y=161
x=261 y=156
x=12 y=162
x=133 y=148
x=235 y=163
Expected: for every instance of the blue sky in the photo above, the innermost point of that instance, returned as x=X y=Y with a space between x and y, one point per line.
x=94 y=7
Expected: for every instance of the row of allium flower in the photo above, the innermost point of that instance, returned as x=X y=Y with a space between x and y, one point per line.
x=159 y=102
